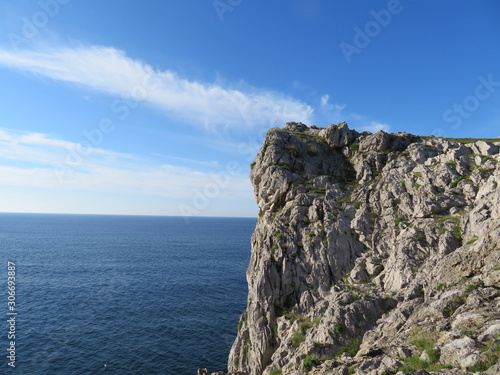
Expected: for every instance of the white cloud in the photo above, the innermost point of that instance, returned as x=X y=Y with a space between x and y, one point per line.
x=331 y=112
x=35 y=160
x=325 y=104
x=324 y=100
x=375 y=126
x=110 y=71
x=42 y=149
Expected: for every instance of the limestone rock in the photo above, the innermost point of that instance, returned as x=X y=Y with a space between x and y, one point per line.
x=369 y=250
x=462 y=353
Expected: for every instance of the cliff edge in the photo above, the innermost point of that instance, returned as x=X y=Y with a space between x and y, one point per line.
x=372 y=254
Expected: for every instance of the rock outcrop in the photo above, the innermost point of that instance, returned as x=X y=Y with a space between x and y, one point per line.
x=373 y=254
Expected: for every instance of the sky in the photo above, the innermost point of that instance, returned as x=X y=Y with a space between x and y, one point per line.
x=158 y=107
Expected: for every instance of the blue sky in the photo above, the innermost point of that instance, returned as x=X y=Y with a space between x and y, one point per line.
x=158 y=107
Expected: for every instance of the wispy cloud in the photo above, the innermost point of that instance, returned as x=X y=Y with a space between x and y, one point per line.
x=325 y=103
x=34 y=160
x=110 y=71
x=42 y=149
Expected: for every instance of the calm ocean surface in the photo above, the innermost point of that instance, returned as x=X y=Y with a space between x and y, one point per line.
x=122 y=294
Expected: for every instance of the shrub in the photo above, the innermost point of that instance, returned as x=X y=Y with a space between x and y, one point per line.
x=441 y=286
x=354 y=146
x=305 y=324
x=312 y=151
x=310 y=361
x=298 y=338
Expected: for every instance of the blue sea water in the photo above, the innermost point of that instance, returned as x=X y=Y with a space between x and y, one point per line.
x=122 y=294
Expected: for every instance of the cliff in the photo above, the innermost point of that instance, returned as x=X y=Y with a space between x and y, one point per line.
x=373 y=254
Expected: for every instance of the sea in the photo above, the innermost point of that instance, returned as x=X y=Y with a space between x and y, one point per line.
x=99 y=294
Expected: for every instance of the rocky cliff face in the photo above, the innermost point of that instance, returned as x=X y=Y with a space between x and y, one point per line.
x=373 y=254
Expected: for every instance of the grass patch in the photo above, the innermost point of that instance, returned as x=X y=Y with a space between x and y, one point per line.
x=247 y=346
x=319 y=191
x=398 y=219
x=454 y=184
x=470 y=287
x=468 y=332
x=276 y=372
x=472 y=240
x=354 y=146
x=312 y=151
x=441 y=286
x=425 y=341
x=352 y=347
x=357 y=204
x=485 y=365
x=298 y=338
x=471 y=140
x=455 y=303
x=311 y=361
x=454 y=221
x=414 y=363
x=417 y=185
x=295 y=152
x=305 y=324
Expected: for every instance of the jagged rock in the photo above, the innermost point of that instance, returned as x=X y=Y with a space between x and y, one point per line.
x=485 y=148
x=367 y=244
x=462 y=353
